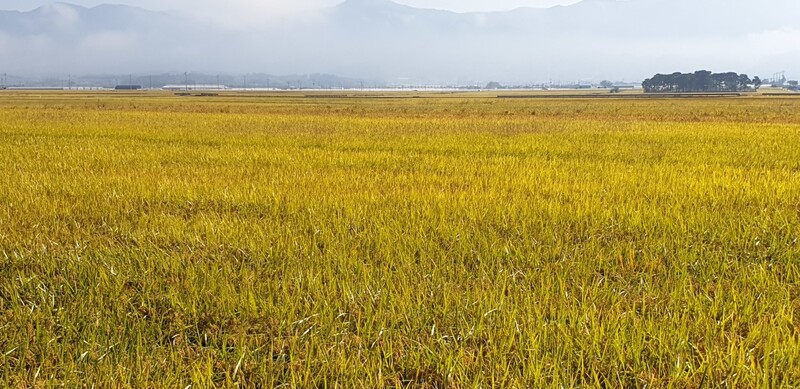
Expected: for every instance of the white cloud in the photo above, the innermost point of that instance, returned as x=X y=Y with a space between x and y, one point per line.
x=484 y=5
x=5 y=42
x=109 y=42
x=251 y=13
x=63 y=16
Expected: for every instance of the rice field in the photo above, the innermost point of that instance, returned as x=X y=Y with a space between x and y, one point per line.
x=443 y=241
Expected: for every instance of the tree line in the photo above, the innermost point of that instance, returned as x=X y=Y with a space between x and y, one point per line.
x=700 y=81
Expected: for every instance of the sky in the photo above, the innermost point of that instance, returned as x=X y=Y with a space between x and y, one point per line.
x=593 y=40
x=205 y=6
x=252 y=13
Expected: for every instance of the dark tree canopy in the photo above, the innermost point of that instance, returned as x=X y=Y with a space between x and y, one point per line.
x=699 y=81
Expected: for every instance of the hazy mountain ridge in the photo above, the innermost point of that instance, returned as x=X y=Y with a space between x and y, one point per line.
x=73 y=19
x=605 y=17
x=380 y=38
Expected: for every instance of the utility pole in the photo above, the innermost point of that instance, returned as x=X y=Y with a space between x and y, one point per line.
x=150 y=77
x=186 y=79
x=4 y=80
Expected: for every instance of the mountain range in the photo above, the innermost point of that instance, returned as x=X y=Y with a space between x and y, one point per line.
x=591 y=40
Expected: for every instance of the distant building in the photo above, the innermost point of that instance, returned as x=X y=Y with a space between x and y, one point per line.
x=128 y=87
x=194 y=87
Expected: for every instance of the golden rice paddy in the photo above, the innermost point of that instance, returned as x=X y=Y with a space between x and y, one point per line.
x=445 y=241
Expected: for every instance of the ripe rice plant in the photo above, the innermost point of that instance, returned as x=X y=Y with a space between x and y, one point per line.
x=148 y=240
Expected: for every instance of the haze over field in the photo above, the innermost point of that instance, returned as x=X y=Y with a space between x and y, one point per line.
x=584 y=40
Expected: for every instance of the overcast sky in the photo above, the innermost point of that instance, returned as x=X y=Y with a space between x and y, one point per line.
x=599 y=39
x=291 y=5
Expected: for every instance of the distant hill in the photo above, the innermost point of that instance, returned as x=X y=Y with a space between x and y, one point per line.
x=73 y=20
x=593 y=39
x=618 y=18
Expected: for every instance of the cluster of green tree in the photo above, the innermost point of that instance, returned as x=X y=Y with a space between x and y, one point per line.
x=700 y=81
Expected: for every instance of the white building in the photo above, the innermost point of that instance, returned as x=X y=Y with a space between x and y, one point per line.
x=194 y=87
